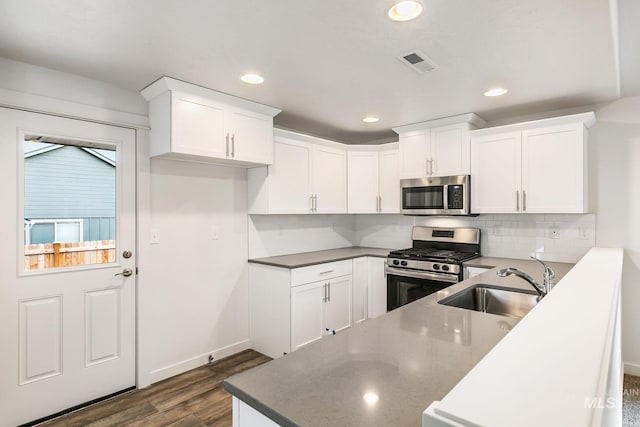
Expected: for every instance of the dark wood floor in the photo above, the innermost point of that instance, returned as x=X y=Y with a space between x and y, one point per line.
x=195 y=398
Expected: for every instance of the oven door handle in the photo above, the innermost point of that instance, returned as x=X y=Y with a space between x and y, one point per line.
x=421 y=275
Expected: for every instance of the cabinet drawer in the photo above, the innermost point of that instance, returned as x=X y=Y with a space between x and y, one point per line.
x=314 y=273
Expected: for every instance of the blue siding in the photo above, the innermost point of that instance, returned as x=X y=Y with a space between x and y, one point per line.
x=70 y=183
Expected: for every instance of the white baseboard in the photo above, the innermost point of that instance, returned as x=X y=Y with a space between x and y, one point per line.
x=631 y=369
x=196 y=361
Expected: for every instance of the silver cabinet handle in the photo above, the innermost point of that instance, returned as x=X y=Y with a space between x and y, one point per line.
x=315 y=203
x=517 y=201
x=233 y=145
x=226 y=138
x=426 y=165
x=126 y=272
x=432 y=167
x=326 y=272
x=311 y=202
x=524 y=201
x=329 y=293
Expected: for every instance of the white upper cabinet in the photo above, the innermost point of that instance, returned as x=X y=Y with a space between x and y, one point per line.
x=533 y=167
x=363 y=181
x=388 y=181
x=437 y=147
x=308 y=175
x=373 y=181
x=415 y=151
x=190 y=122
x=328 y=179
x=495 y=173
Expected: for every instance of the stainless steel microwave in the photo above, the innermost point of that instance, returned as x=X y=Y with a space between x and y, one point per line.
x=445 y=195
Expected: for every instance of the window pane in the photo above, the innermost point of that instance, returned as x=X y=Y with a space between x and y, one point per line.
x=42 y=233
x=68 y=232
x=69 y=202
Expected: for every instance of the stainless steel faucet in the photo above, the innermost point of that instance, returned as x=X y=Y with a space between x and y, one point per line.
x=549 y=274
x=543 y=289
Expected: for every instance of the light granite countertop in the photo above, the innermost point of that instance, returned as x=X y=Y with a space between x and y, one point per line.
x=320 y=257
x=408 y=358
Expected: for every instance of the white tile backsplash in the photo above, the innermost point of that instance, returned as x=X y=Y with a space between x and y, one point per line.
x=512 y=236
x=272 y=235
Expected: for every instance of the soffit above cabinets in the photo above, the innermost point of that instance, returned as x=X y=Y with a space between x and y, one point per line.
x=327 y=70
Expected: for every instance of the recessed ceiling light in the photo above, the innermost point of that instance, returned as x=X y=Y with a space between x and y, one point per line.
x=495 y=92
x=370 y=119
x=405 y=10
x=252 y=79
x=371 y=398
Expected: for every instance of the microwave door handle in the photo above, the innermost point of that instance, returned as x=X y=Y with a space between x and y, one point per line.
x=445 y=196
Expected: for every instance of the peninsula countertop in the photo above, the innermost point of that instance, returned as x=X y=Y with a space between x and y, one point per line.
x=384 y=371
x=305 y=259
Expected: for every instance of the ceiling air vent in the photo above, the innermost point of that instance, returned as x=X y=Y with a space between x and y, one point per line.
x=418 y=61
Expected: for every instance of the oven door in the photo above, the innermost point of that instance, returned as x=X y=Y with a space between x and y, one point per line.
x=405 y=286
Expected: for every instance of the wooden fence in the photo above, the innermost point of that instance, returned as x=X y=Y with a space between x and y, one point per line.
x=55 y=255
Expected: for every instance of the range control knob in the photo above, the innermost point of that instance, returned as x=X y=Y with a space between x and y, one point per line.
x=396 y=262
x=436 y=266
x=403 y=263
x=445 y=268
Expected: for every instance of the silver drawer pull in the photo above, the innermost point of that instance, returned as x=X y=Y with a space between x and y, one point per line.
x=326 y=272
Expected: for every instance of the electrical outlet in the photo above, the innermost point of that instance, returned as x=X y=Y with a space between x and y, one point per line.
x=583 y=232
x=554 y=232
x=154 y=238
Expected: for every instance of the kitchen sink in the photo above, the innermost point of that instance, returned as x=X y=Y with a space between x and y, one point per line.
x=492 y=299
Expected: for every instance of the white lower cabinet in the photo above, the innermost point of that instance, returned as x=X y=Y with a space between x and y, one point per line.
x=319 y=308
x=377 y=298
x=369 y=288
x=290 y=308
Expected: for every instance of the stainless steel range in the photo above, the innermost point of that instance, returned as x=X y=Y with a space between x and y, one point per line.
x=433 y=263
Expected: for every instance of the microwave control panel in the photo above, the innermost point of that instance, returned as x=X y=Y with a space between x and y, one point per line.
x=456 y=196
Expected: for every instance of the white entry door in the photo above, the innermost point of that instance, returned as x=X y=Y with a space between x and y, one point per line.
x=67 y=263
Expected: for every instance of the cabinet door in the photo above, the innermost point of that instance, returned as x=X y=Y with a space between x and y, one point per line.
x=450 y=151
x=495 y=173
x=329 y=179
x=377 y=287
x=251 y=136
x=362 y=182
x=359 y=289
x=197 y=127
x=289 y=184
x=389 y=182
x=306 y=314
x=337 y=308
x=553 y=166
x=414 y=148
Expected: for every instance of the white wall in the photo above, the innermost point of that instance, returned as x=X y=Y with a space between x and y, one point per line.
x=194 y=289
x=615 y=179
x=44 y=82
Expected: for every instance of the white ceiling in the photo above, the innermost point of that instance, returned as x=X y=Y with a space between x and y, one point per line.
x=329 y=63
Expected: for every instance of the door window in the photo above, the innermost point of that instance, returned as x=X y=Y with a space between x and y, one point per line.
x=69 y=202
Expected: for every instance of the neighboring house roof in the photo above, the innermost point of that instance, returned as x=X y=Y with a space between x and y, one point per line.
x=35 y=148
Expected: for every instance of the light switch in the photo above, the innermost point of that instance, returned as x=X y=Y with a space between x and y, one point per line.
x=155 y=236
